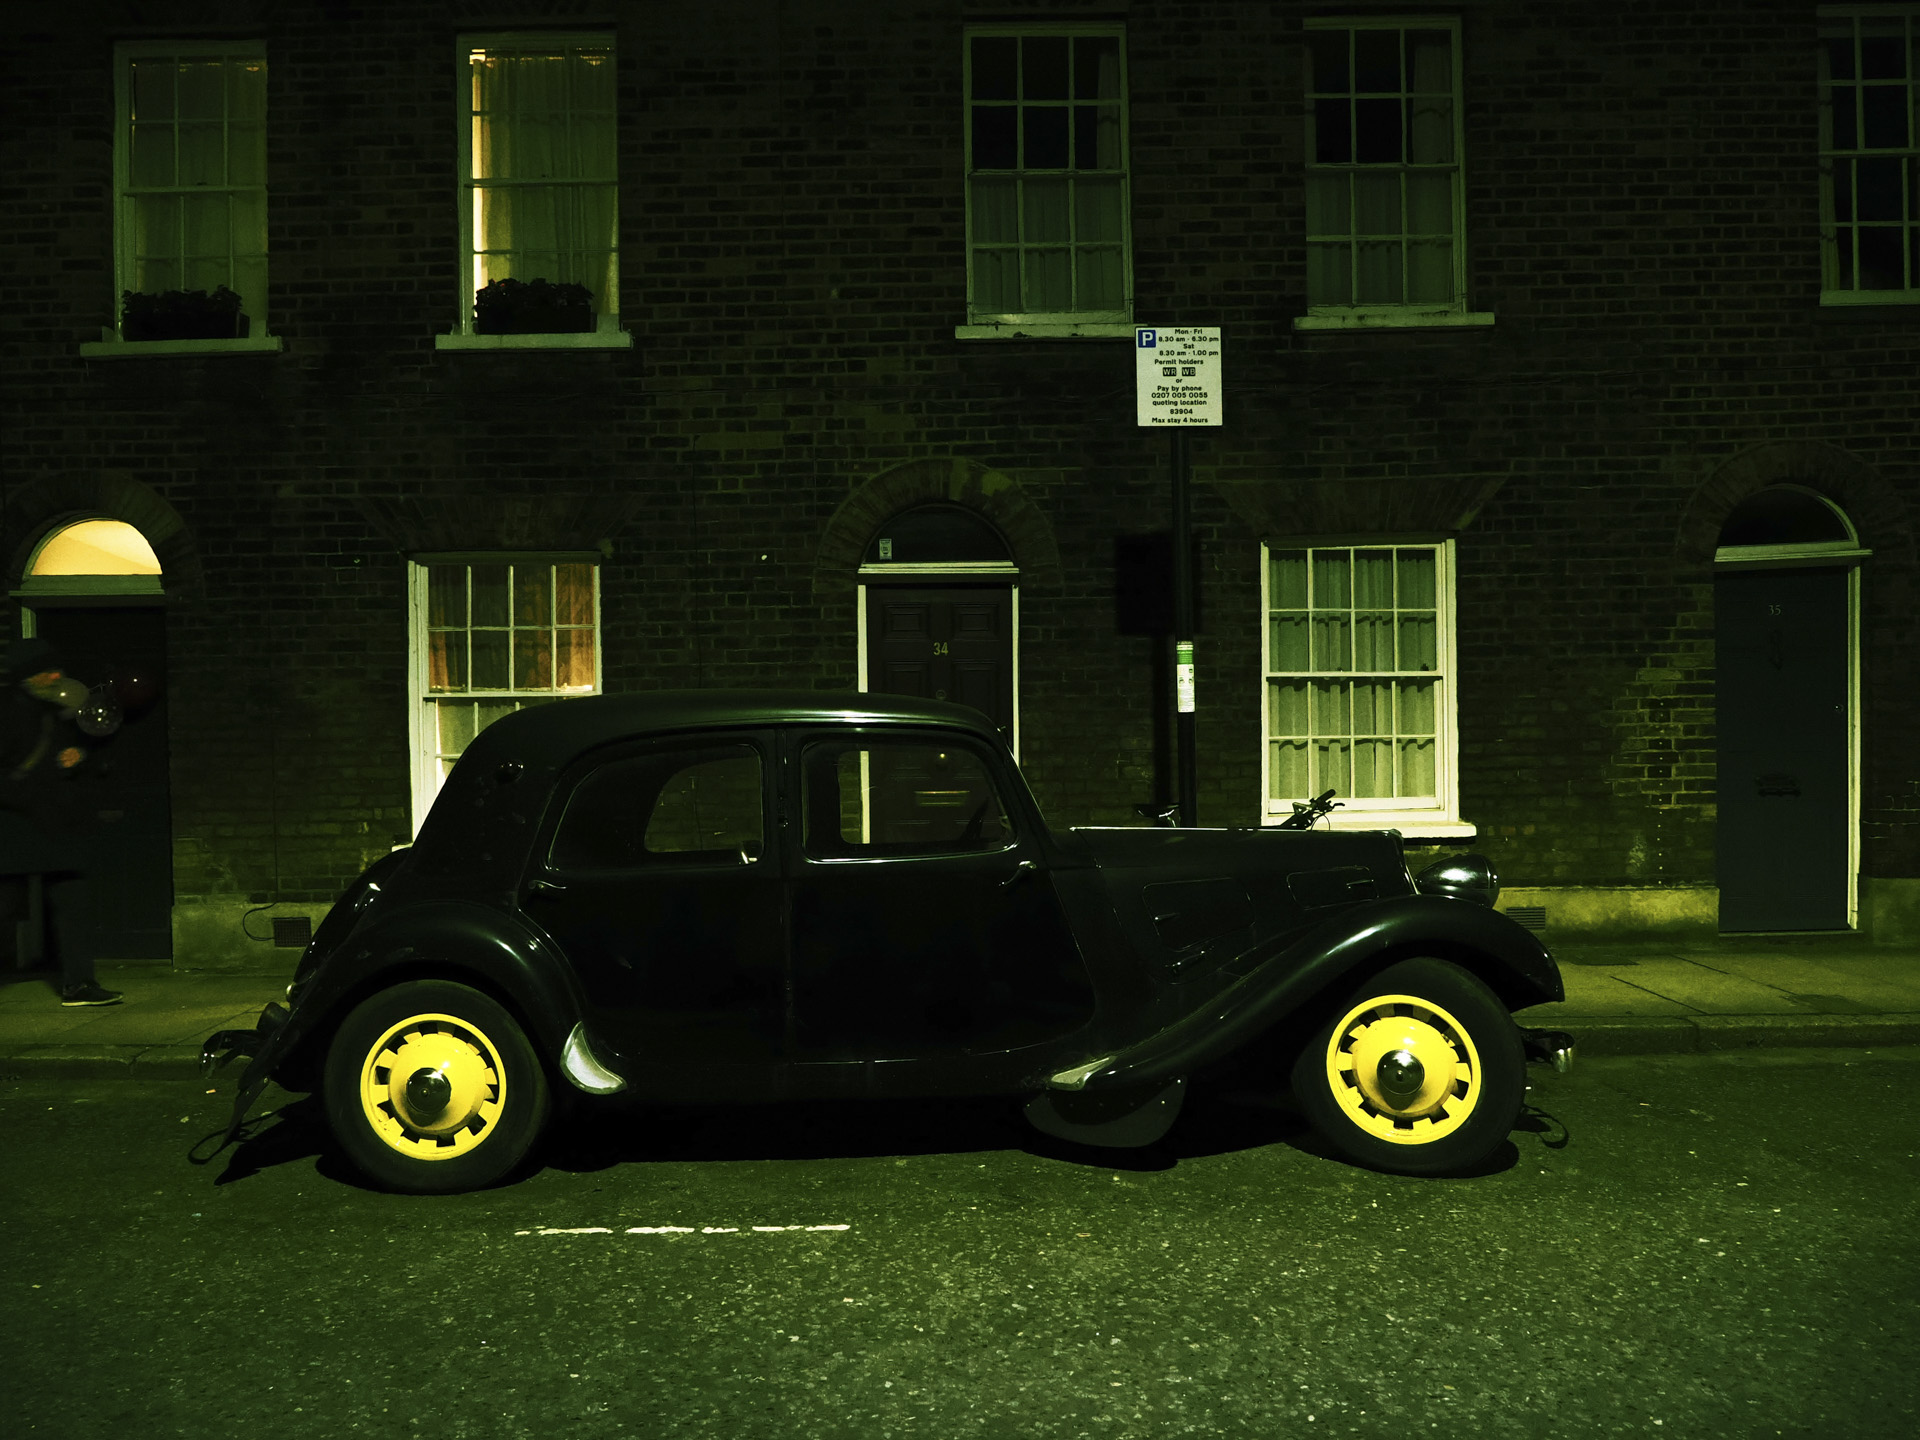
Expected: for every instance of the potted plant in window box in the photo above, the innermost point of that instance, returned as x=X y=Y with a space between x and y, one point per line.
x=532 y=307
x=181 y=315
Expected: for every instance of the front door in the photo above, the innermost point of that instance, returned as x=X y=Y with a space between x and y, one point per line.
x=115 y=811
x=925 y=924
x=659 y=884
x=1782 y=657
x=944 y=643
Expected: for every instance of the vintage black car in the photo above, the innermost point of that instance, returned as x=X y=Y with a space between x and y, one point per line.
x=714 y=896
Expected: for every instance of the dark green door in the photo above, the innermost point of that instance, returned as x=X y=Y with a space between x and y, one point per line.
x=1782 y=660
x=114 y=811
x=944 y=643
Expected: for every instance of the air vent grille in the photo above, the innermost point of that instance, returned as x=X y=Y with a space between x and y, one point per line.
x=1533 y=917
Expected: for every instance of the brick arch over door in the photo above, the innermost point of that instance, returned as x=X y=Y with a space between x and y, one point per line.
x=37 y=507
x=1855 y=486
x=991 y=493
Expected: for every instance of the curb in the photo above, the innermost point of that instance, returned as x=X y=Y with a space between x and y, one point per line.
x=1705 y=1034
x=102 y=1062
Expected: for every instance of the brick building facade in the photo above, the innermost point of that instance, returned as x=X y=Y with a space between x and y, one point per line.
x=1656 y=312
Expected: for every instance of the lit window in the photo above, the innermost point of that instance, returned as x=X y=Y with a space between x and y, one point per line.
x=190 y=161
x=539 y=173
x=1047 y=175
x=1359 y=647
x=95 y=547
x=1869 y=155
x=1384 y=222
x=492 y=635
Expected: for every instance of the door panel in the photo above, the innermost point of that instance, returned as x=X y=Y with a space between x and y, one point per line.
x=1781 y=704
x=944 y=643
x=114 y=809
x=661 y=889
x=917 y=931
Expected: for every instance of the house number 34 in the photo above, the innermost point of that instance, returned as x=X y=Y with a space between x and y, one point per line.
x=941 y=647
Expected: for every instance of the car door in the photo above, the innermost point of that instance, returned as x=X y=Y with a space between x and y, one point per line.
x=659 y=884
x=923 y=917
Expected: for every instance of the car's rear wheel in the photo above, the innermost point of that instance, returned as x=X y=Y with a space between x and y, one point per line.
x=432 y=1087
x=1419 y=1070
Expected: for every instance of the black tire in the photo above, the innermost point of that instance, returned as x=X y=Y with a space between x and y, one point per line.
x=1413 y=1119
x=491 y=1089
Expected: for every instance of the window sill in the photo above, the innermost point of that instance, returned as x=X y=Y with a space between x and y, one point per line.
x=157 y=349
x=576 y=340
x=1398 y=319
x=1870 y=297
x=1413 y=825
x=1047 y=330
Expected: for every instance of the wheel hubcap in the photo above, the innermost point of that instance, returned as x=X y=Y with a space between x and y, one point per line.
x=432 y=1087
x=1403 y=1069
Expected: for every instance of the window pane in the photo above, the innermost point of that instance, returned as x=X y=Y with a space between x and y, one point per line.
x=446 y=660
x=1880 y=258
x=1098 y=282
x=1328 y=208
x=489 y=594
x=1096 y=210
x=1096 y=67
x=994 y=129
x=712 y=807
x=1288 y=712
x=200 y=92
x=1378 y=274
x=1430 y=272
x=899 y=799
x=150 y=161
x=996 y=215
x=573 y=599
x=1377 y=202
x=1373 y=579
x=1377 y=132
x=1046 y=137
x=1430 y=202
x=1332 y=767
x=1330 y=714
x=456 y=727
x=1417 y=773
x=446 y=595
x=573 y=659
x=1418 y=643
x=490 y=671
x=996 y=281
x=1846 y=134
x=532 y=660
x=1373 y=640
x=1883 y=116
x=1430 y=137
x=1415 y=699
x=1376 y=60
x=1880 y=192
x=1329 y=274
x=1287 y=579
x=1430 y=62
x=1372 y=707
x=1882 y=48
x=1046 y=212
x=993 y=67
x=1287 y=770
x=1287 y=647
x=1049 y=275
x=1043 y=68
x=1331 y=569
x=1327 y=59
x=532 y=595
x=1332 y=643
x=1332 y=132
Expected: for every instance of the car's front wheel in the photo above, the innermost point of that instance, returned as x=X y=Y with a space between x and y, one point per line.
x=1419 y=1070
x=432 y=1087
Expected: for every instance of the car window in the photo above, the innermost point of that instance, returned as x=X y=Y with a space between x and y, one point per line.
x=670 y=807
x=905 y=797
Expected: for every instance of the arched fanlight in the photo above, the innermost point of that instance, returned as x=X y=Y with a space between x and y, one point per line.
x=94 y=547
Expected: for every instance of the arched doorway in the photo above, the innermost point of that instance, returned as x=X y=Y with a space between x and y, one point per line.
x=939 y=616
x=1786 y=635
x=92 y=589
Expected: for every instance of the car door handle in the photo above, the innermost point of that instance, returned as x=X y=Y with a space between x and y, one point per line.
x=1025 y=867
x=548 y=887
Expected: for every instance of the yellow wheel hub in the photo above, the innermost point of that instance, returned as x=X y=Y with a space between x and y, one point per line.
x=432 y=1087
x=1403 y=1069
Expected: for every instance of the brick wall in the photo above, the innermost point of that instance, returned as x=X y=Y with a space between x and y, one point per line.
x=1643 y=224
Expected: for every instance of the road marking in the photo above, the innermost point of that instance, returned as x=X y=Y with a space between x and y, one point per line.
x=676 y=1229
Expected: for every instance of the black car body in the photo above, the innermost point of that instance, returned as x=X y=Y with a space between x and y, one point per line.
x=751 y=896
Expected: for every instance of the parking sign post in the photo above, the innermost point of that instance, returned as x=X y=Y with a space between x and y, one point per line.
x=1177 y=386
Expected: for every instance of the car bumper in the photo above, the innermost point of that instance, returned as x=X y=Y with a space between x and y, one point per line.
x=265 y=1046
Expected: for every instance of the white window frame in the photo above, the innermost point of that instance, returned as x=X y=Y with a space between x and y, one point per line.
x=1078 y=324
x=607 y=333
x=111 y=345
x=1407 y=314
x=1439 y=819
x=422 y=729
x=1908 y=156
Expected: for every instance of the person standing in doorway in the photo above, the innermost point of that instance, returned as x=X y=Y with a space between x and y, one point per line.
x=42 y=751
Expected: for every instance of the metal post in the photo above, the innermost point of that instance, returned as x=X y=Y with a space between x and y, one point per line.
x=1183 y=632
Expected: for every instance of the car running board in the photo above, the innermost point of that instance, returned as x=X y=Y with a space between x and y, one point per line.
x=1120 y=1120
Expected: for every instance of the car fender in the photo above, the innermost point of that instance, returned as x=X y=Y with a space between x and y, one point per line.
x=1298 y=976
x=490 y=949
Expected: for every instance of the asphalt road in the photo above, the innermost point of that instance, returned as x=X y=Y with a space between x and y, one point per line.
x=1691 y=1246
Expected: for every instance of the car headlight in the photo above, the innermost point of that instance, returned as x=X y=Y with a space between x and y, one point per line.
x=1461 y=877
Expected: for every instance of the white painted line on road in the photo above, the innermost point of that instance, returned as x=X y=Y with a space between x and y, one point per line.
x=676 y=1229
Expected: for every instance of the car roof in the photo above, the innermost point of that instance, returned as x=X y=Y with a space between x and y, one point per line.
x=553 y=734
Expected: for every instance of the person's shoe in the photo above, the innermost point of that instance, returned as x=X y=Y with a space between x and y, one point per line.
x=88 y=994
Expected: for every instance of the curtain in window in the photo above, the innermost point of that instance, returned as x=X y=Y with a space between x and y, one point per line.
x=545 y=169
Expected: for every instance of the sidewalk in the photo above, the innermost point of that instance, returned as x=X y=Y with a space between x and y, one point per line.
x=1645 y=999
